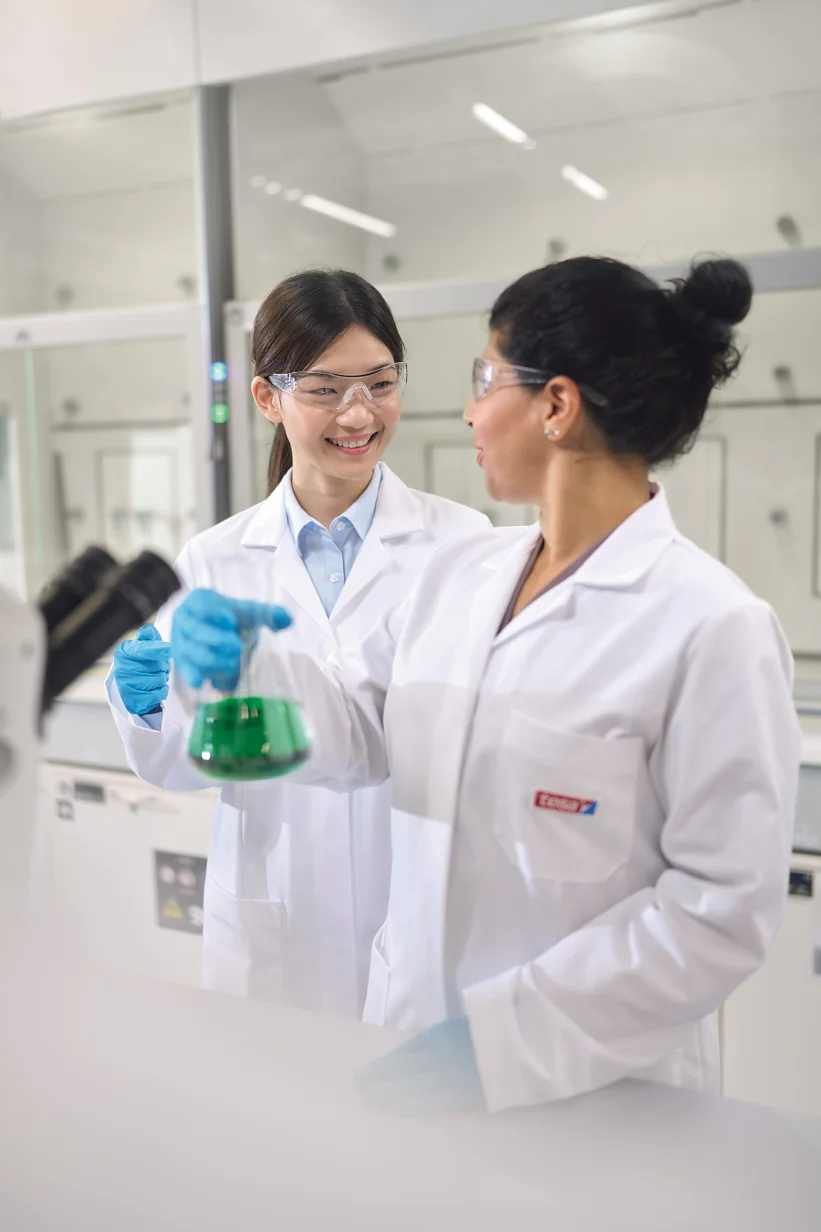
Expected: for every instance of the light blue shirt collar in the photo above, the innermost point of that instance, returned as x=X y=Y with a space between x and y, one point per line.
x=360 y=515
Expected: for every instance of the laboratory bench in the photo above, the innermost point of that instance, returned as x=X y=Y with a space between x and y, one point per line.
x=142 y=1106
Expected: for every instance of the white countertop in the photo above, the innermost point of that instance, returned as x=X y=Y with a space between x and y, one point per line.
x=155 y=1107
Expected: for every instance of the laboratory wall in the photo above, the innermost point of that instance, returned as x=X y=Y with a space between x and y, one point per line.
x=97 y=213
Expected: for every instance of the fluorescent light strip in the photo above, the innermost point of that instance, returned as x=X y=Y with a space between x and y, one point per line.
x=352 y=217
x=505 y=128
x=584 y=183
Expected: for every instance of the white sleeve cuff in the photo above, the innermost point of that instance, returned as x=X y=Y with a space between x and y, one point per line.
x=507 y=1081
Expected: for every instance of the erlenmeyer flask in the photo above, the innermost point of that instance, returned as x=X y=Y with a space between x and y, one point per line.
x=242 y=737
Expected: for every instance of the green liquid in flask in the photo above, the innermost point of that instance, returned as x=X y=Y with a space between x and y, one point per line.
x=242 y=739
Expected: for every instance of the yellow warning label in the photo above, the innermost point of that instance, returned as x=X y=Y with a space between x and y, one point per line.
x=172 y=910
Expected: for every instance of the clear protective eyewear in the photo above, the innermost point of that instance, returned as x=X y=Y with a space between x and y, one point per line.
x=330 y=391
x=489 y=374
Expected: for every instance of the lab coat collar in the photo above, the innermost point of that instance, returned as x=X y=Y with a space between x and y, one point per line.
x=633 y=548
x=398 y=513
x=269 y=530
x=398 y=508
x=269 y=524
x=624 y=557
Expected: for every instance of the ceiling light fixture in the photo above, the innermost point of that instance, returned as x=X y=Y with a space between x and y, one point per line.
x=584 y=183
x=503 y=127
x=272 y=188
x=342 y=213
x=293 y=194
x=257 y=181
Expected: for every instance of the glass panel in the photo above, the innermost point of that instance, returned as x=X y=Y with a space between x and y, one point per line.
x=782 y=358
x=703 y=132
x=97 y=208
x=698 y=126
x=749 y=492
x=6 y=480
x=104 y=453
x=761 y=507
x=11 y=556
x=289 y=139
x=25 y=558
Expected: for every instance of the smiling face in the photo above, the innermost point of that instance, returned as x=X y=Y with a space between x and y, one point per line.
x=335 y=429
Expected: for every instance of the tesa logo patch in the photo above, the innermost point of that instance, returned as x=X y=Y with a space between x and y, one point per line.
x=565 y=804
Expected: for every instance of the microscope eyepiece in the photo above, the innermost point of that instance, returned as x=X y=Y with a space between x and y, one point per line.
x=74 y=584
x=125 y=597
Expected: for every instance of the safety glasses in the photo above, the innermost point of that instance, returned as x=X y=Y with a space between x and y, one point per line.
x=490 y=374
x=329 y=391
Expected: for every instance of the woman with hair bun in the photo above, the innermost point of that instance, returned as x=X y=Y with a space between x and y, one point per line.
x=588 y=724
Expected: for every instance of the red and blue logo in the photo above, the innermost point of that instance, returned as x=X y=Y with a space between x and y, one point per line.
x=564 y=804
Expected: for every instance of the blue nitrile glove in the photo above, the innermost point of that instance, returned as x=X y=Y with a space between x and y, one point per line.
x=434 y=1072
x=141 y=670
x=205 y=636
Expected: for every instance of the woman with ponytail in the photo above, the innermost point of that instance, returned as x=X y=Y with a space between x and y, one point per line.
x=297 y=880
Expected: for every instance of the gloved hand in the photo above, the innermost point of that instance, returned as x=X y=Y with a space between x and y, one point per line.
x=141 y=670
x=205 y=636
x=434 y=1072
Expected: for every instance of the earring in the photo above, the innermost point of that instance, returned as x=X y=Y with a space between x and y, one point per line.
x=550 y=433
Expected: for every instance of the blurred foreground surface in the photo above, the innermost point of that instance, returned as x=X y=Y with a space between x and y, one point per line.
x=142 y=1106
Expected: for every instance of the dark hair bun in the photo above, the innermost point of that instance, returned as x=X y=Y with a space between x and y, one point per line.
x=717 y=290
x=652 y=355
x=716 y=296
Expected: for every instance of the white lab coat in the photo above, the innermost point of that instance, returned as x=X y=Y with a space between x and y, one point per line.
x=593 y=809
x=298 y=876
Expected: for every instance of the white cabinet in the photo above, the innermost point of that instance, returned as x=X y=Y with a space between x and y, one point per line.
x=103 y=839
x=696 y=488
x=749 y=493
x=454 y=472
x=131 y=489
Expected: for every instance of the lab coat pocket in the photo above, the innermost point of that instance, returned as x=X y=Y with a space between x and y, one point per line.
x=566 y=803
x=242 y=944
x=379 y=979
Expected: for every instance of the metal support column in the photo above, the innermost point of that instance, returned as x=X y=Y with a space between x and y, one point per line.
x=216 y=268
